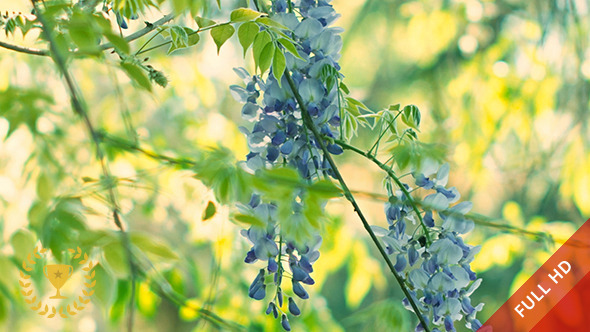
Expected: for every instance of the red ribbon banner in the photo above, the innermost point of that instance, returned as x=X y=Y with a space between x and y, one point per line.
x=556 y=297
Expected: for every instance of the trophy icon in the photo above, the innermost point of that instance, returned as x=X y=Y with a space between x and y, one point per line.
x=58 y=275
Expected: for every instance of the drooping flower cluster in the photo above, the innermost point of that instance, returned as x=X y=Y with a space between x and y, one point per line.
x=278 y=134
x=435 y=263
x=439 y=272
x=299 y=257
x=279 y=137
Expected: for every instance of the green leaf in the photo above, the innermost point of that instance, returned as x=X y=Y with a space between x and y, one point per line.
x=266 y=57
x=289 y=46
x=325 y=189
x=248 y=219
x=137 y=75
x=221 y=34
x=23 y=106
x=204 y=22
x=118 y=308
x=23 y=242
x=357 y=103
x=37 y=215
x=218 y=170
x=104 y=290
x=193 y=36
x=243 y=15
x=9 y=271
x=44 y=187
x=114 y=256
x=344 y=88
x=270 y=22
x=278 y=65
x=102 y=22
x=179 y=38
x=209 y=212
x=411 y=152
x=411 y=116
x=83 y=33
x=262 y=39
x=96 y=238
x=350 y=125
x=61 y=227
x=149 y=245
x=119 y=42
x=246 y=34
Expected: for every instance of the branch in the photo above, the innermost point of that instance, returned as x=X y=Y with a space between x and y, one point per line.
x=308 y=121
x=392 y=175
x=80 y=108
x=132 y=146
x=140 y=33
x=22 y=49
x=103 y=47
x=188 y=164
x=477 y=218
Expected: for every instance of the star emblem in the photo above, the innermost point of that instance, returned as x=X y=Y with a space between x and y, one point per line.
x=58 y=274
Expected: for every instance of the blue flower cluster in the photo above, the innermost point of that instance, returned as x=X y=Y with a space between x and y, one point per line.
x=299 y=257
x=279 y=137
x=439 y=273
x=435 y=266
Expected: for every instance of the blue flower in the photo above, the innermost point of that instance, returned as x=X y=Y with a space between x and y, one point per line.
x=299 y=290
x=293 y=308
x=285 y=323
x=257 y=289
x=279 y=6
x=401 y=263
x=449 y=324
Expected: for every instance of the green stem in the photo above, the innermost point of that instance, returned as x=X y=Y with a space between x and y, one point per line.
x=383 y=132
x=308 y=121
x=190 y=34
x=392 y=175
x=162 y=287
x=148 y=41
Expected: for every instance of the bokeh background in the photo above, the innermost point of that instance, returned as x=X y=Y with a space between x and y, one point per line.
x=502 y=85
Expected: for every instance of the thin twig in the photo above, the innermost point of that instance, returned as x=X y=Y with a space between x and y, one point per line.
x=308 y=121
x=103 y=47
x=160 y=285
x=132 y=146
x=477 y=218
x=190 y=34
x=140 y=33
x=392 y=175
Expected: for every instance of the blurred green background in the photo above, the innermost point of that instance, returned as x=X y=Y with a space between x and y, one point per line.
x=503 y=85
